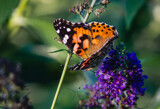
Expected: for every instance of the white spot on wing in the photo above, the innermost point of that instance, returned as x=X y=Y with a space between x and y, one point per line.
x=66 y=37
x=58 y=31
x=64 y=41
x=68 y=29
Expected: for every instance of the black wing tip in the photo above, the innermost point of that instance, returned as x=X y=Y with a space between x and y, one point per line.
x=64 y=20
x=57 y=20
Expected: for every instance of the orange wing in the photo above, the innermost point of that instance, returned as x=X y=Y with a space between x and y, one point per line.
x=101 y=35
x=81 y=41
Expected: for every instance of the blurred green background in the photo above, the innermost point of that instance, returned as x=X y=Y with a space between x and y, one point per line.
x=27 y=36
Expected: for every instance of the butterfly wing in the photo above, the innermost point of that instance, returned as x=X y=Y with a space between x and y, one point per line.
x=103 y=36
x=77 y=36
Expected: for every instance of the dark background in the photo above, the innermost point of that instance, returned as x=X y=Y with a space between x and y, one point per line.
x=27 y=36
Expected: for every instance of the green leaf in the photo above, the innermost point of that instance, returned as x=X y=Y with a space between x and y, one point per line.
x=132 y=8
x=90 y=76
x=6 y=8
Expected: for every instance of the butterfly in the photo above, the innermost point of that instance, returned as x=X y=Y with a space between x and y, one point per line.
x=91 y=42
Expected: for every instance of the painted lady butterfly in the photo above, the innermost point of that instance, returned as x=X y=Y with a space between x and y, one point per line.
x=91 y=42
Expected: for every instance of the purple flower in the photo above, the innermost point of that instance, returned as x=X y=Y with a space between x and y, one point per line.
x=119 y=81
x=12 y=87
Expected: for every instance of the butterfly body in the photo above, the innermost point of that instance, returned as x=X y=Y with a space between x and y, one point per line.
x=91 y=42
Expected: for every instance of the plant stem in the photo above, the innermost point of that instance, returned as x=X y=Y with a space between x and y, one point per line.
x=68 y=58
x=81 y=17
x=89 y=12
x=61 y=80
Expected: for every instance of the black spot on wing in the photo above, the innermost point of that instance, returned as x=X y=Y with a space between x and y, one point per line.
x=82 y=39
x=97 y=36
x=78 y=51
x=103 y=24
x=113 y=28
x=85 y=49
x=93 y=25
x=114 y=33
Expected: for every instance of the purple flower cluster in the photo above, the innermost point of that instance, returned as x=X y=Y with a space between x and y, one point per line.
x=12 y=87
x=119 y=81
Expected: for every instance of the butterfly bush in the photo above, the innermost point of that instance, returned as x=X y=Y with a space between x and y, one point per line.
x=119 y=81
x=11 y=87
